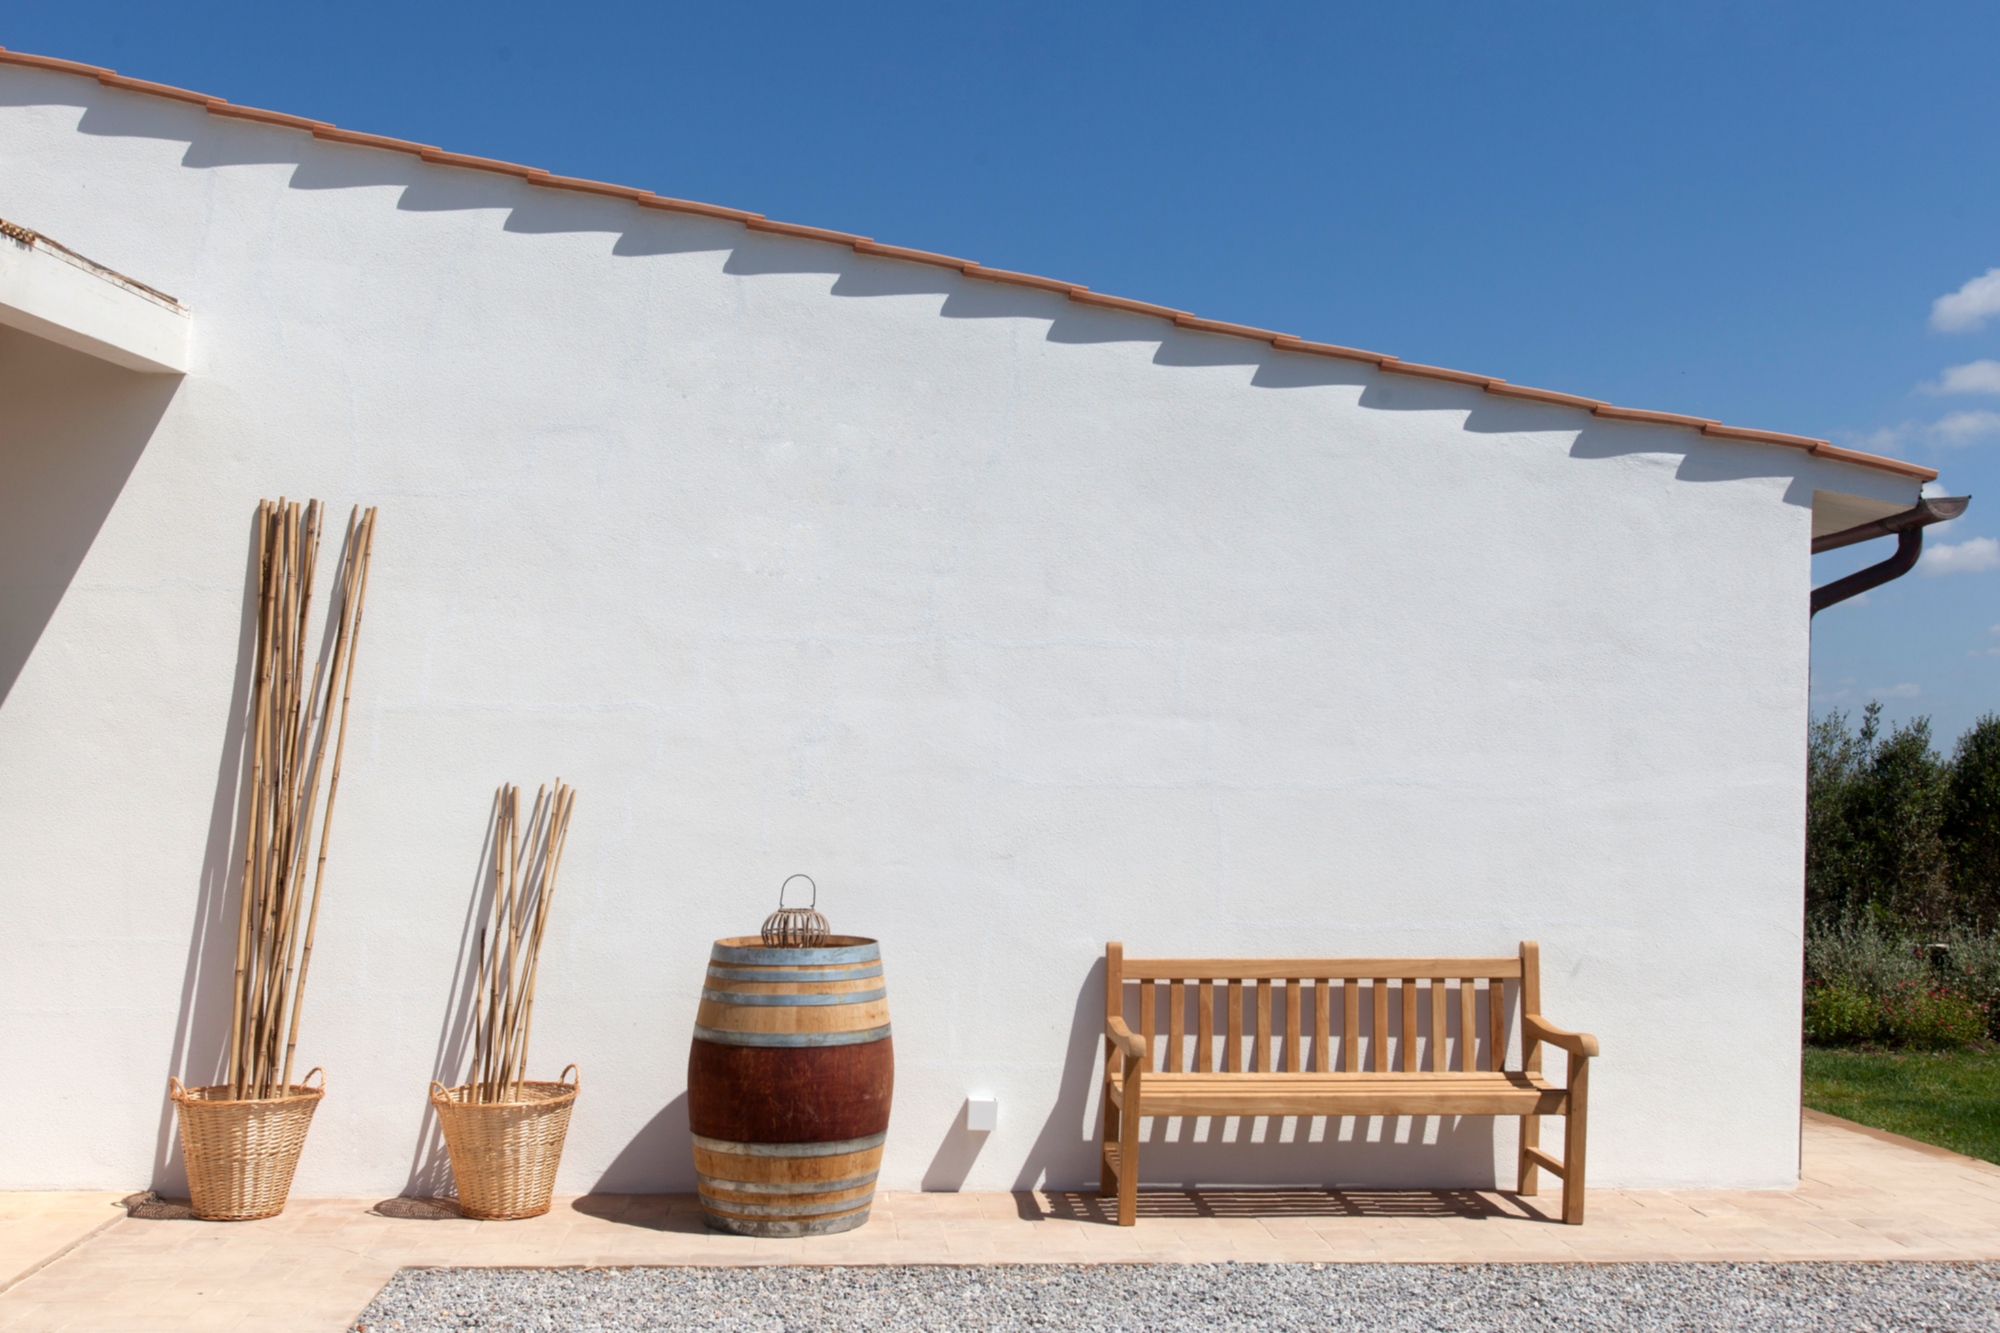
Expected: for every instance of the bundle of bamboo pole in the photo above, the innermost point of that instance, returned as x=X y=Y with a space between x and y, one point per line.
x=525 y=861
x=295 y=720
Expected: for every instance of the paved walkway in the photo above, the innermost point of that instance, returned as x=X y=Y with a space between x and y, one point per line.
x=1865 y=1196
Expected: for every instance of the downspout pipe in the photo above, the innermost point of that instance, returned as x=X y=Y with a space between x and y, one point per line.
x=1908 y=529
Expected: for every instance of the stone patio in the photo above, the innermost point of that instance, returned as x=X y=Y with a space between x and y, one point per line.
x=76 y=1261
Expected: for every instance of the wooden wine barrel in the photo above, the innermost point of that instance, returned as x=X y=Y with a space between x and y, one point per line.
x=789 y=1080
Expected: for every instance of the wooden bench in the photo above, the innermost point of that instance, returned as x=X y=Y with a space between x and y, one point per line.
x=1430 y=1065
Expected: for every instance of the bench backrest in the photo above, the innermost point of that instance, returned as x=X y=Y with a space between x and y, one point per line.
x=1327 y=1015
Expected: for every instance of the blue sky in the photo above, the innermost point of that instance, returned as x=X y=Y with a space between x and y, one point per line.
x=1746 y=211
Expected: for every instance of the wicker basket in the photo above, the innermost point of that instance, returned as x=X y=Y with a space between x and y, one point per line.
x=504 y=1155
x=241 y=1151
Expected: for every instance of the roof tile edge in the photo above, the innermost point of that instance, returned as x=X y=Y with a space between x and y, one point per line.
x=863 y=245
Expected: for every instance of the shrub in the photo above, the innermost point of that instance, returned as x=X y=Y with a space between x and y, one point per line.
x=1932 y=1018
x=1857 y=955
x=1972 y=965
x=1839 y=1015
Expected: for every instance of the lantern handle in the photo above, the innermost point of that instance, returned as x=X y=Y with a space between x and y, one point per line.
x=808 y=879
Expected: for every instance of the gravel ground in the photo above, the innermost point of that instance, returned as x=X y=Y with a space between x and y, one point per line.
x=1390 y=1297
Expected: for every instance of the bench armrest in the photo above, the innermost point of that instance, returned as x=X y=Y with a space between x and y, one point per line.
x=1123 y=1037
x=1536 y=1028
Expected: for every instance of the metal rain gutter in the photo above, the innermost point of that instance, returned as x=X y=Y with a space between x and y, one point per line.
x=1908 y=529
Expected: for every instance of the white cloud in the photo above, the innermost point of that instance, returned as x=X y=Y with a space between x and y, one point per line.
x=1972 y=377
x=1965 y=427
x=1904 y=691
x=1966 y=557
x=1967 y=309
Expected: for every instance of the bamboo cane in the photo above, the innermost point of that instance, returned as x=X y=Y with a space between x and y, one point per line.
x=297 y=736
x=356 y=589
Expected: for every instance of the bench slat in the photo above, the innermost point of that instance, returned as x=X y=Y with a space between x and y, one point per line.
x=1468 y=1055
x=1408 y=1054
x=1293 y=1026
x=1232 y=1054
x=1176 y=1025
x=1350 y=1027
x=1282 y=969
x=1440 y=1025
x=1322 y=1024
x=1261 y=1057
x=1146 y=1019
x=1204 y=1027
x=1496 y=1023
x=1378 y=1011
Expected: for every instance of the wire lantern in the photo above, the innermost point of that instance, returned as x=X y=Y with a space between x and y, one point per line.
x=795 y=927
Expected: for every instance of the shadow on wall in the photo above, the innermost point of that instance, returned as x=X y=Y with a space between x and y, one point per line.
x=1379 y=1152
x=430 y=1165
x=662 y=1152
x=72 y=432
x=200 y=1053
x=953 y=1163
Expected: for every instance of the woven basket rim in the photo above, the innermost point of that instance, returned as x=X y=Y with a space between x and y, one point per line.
x=567 y=1091
x=302 y=1093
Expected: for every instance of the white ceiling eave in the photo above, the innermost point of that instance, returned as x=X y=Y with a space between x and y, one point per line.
x=1834 y=512
x=49 y=292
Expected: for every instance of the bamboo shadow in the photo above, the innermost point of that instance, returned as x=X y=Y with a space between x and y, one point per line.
x=201 y=1040
x=430 y=1164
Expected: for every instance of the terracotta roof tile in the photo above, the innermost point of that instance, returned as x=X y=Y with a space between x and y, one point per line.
x=1841 y=455
x=651 y=200
x=1233 y=330
x=914 y=256
x=360 y=140
x=110 y=80
x=1088 y=297
x=803 y=232
x=1761 y=436
x=1656 y=418
x=1401 y=367
x=582 y=186
x=1541 y=395
x=972 y=270
x=1287 y=343
x=218 y=107
x=444 y=159
x=863 y=245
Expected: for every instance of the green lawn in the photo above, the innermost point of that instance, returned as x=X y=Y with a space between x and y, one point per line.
x=1950 y=1098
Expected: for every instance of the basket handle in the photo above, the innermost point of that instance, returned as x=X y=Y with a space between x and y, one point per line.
x=814 y=904
x=439 y=1090
x=176 y=1090
x=316 y=1069
x=571 y=1069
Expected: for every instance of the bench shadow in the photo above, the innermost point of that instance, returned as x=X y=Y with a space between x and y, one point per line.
x=680 y=1213
x=1378 y=1205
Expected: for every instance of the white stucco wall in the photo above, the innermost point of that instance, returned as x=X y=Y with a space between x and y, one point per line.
x=1019 y=624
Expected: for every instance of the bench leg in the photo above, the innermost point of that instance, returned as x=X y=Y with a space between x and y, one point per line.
x=1128 y=1157
x=1107 y=1182
x=1528 y=1178
x=1573 y=1140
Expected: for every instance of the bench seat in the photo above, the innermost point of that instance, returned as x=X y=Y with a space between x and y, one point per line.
x=1508 y=1092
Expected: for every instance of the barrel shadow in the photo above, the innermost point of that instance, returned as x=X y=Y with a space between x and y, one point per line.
x=652 y=1212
